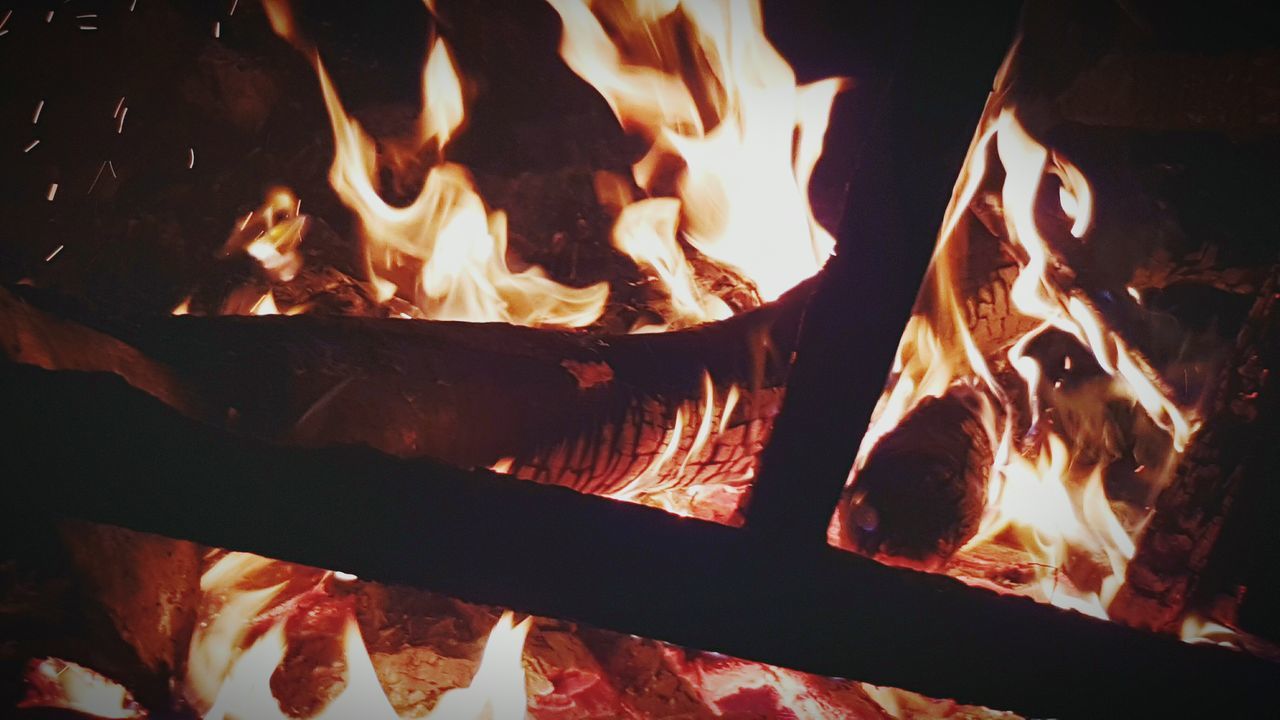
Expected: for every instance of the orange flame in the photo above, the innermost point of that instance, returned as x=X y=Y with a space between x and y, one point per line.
x=744 y=136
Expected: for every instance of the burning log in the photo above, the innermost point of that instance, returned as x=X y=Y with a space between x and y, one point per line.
x=921 y=492
x=592 y=413
x=1190 y=512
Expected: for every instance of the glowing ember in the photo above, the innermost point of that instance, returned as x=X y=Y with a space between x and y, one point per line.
x=1046 y=495
x=60 y=684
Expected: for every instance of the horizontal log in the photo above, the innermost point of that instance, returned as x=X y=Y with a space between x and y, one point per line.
x=92 y=447
x=590 y=412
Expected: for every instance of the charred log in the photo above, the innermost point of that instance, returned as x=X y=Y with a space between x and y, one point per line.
x=1176 y=546
x=920 y=494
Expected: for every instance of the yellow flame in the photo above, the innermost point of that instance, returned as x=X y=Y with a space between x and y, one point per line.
x=746 y=139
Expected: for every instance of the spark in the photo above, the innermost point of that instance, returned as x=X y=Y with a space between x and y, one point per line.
x=191 y=158
x=94 y=184
x=32 y=146
x=86 y=16
x=3 y=33
x=53 y=190
x=133 y=5
x=234 y=3
x=4 y=20
x=120 y=125
x=88 y=27
x=54 y=254
x=119 y=105
x=49 y=18
x=217 y=29
x=35 y=117
x=111 y=166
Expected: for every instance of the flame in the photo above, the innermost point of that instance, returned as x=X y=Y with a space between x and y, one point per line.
x=1200 y=630
x=497 y=692
x=271 y=234
x=1046 y=495
x=214 y=644
x=443 y=250
x=690 y=437
x=743 y=137
x=224 y=682
x=62 y=684
x=646 y=231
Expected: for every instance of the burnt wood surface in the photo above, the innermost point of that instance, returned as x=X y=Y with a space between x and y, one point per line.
x=96 y=449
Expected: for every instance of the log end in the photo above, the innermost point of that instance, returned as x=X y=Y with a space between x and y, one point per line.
x=920 y=495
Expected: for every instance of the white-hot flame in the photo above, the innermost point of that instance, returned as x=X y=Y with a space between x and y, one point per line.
x=62 y=684
x=742 y=137
x=443 y=250
x=227 y=683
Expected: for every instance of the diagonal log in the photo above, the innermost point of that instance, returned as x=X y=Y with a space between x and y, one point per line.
x=105 y=452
